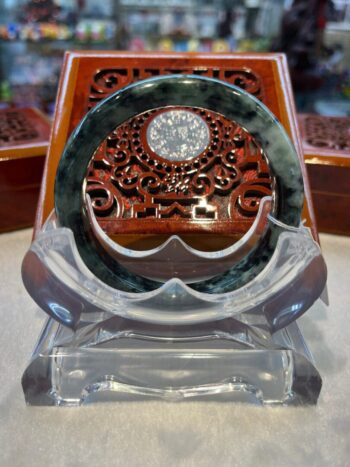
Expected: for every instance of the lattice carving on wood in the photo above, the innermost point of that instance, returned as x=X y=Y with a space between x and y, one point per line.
x=129 y=183
x=108 y=80
x=15 y=127
x=327 y=132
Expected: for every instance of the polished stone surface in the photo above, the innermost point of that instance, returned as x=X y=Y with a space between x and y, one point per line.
x=193 y=91
x=156 y=434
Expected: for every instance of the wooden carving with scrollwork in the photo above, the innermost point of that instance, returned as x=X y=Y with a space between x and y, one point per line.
x=133 y=189
x=108 y=80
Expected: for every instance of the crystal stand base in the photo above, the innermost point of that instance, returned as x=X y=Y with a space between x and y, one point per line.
x=118 y=360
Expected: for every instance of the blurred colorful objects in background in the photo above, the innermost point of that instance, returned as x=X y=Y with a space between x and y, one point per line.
x=35 y=33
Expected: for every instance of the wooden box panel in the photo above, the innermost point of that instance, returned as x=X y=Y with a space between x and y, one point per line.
x=88 y=77
x=326 y=145
x=24 y=136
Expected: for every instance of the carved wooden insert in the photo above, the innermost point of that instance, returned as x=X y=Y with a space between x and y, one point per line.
x=108 y=80
x=178 y=170
x=135 y=189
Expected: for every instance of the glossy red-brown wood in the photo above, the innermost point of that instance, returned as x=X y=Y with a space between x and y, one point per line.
x=24 y=136
x=326 y=146
x=81 y=86
x=216 y=192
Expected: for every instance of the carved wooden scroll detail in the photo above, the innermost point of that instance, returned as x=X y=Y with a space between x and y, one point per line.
x=108 y=80
x=129 y=183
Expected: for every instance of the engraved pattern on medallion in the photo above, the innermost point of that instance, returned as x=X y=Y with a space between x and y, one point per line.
x=177 y=135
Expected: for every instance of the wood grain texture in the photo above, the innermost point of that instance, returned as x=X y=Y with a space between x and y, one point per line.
x=24 y=136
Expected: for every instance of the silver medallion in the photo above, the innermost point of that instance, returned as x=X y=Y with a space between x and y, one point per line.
x=178 y=135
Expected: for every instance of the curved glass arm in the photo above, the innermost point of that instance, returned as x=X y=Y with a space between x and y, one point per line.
x=59 y=281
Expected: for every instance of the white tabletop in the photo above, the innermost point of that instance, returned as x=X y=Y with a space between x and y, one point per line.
x=173 y=434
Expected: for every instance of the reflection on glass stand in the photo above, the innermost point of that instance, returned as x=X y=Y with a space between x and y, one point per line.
x=173 y=343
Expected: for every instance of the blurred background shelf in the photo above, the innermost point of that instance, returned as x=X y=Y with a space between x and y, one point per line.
x=35 y=33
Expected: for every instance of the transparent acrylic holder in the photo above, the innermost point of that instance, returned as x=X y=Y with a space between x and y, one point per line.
x=173 y=343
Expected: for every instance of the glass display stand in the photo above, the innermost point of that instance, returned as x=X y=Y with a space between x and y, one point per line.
x=173 y=343
x=123 y=360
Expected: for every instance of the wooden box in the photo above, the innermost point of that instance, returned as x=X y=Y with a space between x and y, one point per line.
x=88 y=77
x=24 y=137
x=326 y=146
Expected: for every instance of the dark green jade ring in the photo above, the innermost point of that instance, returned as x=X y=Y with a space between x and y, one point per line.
x=179 y=90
